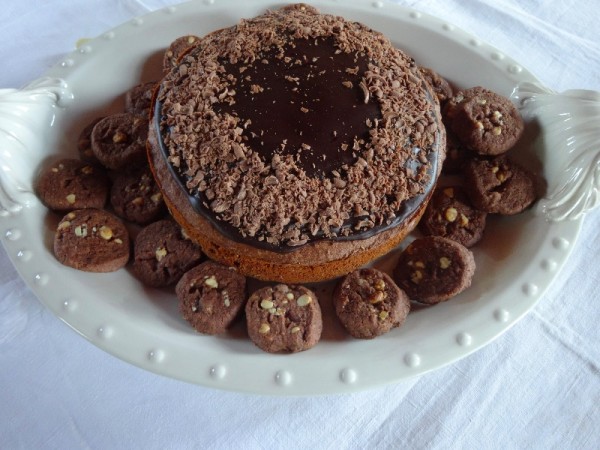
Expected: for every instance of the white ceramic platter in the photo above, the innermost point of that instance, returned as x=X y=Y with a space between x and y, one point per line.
x=515 y=263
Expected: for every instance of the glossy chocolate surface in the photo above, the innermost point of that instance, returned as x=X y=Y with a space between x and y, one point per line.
x=310 y=99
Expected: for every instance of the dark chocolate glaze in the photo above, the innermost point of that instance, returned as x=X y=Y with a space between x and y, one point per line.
x=303 y=91
x=331 y=107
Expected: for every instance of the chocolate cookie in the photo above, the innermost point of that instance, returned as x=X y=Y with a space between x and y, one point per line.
x=499 y=185
x=450 y=214
x=485 y=122
x=92 y=240
x=177 y=48
x=369 y=303
x=72 y=184
x=162 y=254
x=136 y=197
x=284 y=319
x=454 y=103
x=456 y=155
x=434 y=269
x=442 y=89
x=138 y=100
x=211 y=296
x=84 y=142
x=119 y=141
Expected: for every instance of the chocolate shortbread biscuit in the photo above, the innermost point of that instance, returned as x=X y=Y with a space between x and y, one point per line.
x=499 y=185
x=138 y=99
x=456 y=155
x=284 y=319
x=369 y=303
x=434 y=269
x=119 y=141
x=455 y=102
x=136 y=197
x=484 y=121
x=441 y=87
x=177 y=48
x=162 y=254
x=450 y=214
x=92 y=240
x=84 y=142
x=72 y=184
x=211 y=296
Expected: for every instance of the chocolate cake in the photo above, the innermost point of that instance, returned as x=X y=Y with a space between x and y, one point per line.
x=296 y=146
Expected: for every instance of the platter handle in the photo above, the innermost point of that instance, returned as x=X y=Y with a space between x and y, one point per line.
x=570 y=123
x=26 y=115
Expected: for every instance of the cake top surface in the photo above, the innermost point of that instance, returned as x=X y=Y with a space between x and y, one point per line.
x=297 y=126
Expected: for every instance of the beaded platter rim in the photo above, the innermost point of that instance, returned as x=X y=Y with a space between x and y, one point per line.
x=143 y=327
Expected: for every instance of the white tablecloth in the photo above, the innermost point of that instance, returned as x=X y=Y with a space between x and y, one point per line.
x=538 y=386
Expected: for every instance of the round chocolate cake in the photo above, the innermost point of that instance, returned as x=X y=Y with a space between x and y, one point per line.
x=296 y=146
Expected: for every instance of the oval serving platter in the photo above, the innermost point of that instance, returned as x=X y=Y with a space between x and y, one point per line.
x=143 y=326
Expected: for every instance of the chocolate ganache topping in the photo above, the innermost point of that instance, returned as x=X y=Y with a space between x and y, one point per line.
x=297 y=126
